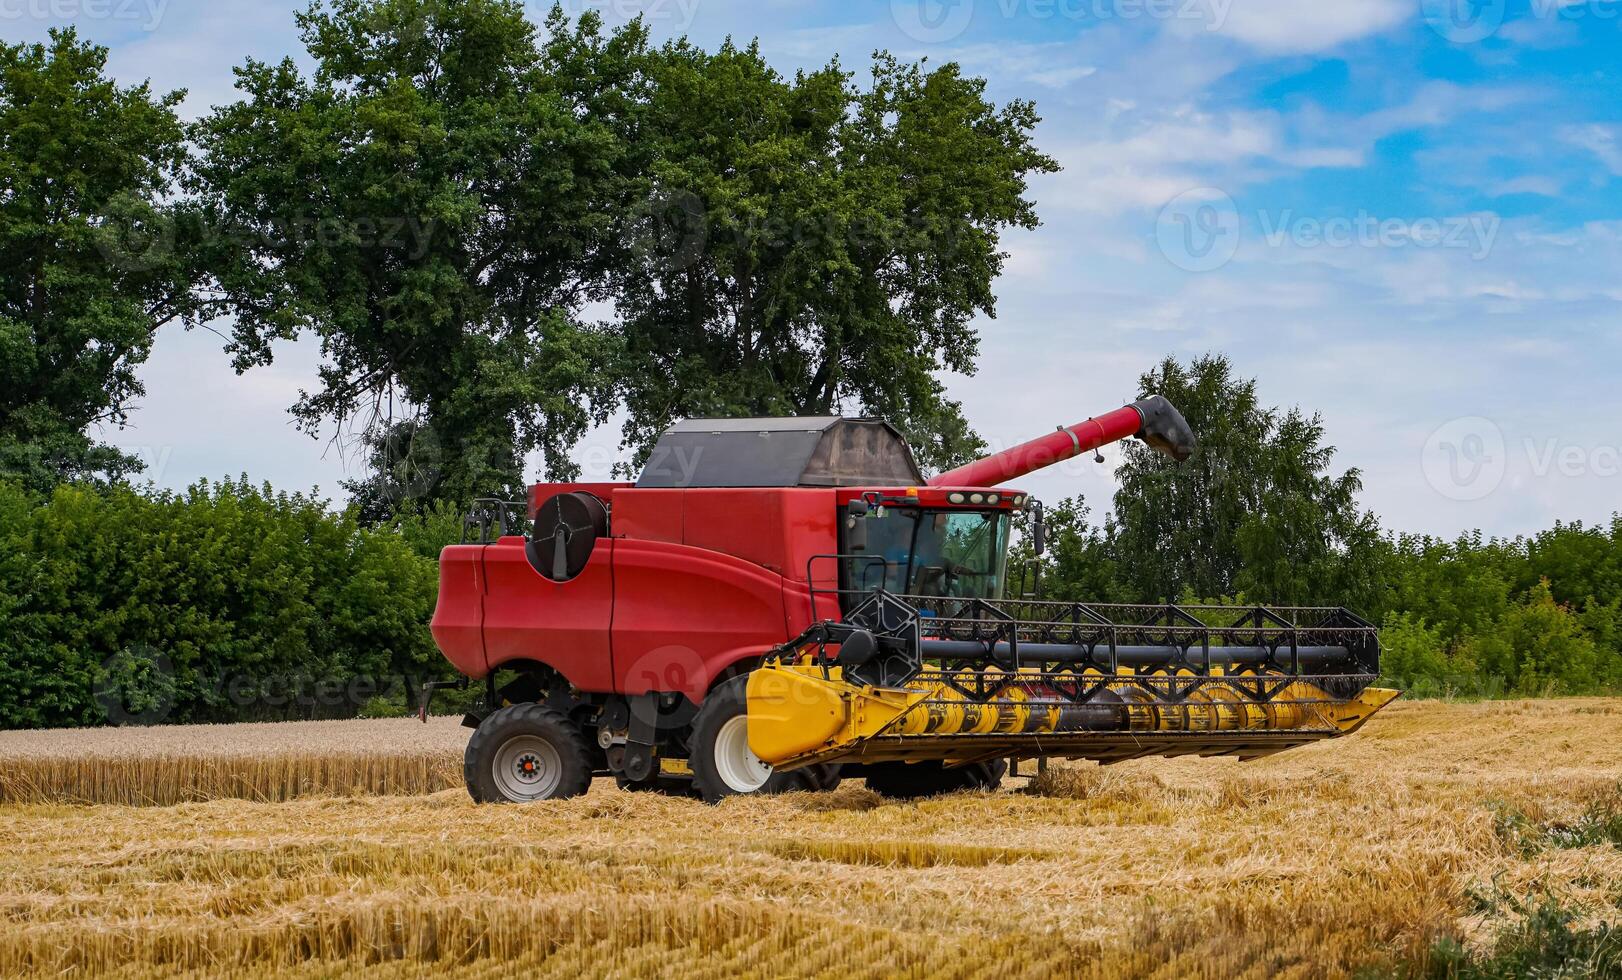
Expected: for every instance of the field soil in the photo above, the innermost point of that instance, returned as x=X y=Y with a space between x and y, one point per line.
x=1353 y=855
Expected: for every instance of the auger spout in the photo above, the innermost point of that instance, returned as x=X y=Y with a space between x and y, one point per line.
x=1154 y=420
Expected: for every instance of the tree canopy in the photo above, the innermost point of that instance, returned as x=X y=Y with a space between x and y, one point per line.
x=1256 y=510
x=502 y=235
x=814 y=245
x=93 y=256
x=436 y=204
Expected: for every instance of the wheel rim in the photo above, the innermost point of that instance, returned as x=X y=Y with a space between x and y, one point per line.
x=737 y=765
x=527 y=767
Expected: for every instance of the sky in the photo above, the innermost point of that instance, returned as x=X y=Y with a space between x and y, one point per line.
x=1403 y=215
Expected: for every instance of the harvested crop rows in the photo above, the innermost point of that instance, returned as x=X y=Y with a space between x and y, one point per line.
x=1320 y=861
x=263 y=762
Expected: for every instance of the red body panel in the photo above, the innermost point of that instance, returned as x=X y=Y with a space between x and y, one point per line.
x=563 y=625
x=683 y=615
x=690 y=583
x=458 y=624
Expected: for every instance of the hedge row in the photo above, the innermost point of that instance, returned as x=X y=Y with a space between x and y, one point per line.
x=222 y=603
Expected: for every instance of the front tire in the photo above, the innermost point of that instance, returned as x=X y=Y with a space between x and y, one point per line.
x=526 y=753
x=719 y=754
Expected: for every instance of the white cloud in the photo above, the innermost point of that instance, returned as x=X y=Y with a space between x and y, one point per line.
x=1526 y=184
x=1060 y=77
x=1303 y=26
x=1600 y=140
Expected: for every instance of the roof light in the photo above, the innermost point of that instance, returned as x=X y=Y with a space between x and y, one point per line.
x=955 y=497
x=1019 y=500
x=977 y=498
x=992 y=498
x=912 y=491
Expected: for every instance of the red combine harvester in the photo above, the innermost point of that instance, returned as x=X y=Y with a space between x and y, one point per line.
x=777 y=603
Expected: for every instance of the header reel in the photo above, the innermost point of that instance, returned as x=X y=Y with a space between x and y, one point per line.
x=912 y=677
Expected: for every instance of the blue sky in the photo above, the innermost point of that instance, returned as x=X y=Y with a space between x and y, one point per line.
x=1403 y=214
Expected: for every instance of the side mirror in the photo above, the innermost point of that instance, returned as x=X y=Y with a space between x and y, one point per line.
x=856 y=526
x=1039 y=528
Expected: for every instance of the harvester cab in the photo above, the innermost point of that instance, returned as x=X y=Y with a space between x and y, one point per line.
x=777 y=603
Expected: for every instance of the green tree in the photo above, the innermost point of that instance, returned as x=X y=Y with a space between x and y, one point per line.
x=436 y=203
x=1079 y=564
x=1540 y=647
x=807 y=245
x=94 y=258
x=223 y=603
x=1255 y=511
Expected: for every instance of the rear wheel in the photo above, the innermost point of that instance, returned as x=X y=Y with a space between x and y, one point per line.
x=722 y=762
x=914 y=780
x=525 y=753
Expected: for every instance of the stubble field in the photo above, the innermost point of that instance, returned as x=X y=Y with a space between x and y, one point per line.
x=1437 y=824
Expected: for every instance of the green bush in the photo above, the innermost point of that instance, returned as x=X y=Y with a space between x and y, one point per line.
x=221 y=603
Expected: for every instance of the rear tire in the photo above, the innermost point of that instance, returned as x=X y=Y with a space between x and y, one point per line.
x=719 y=753
x=526 y=753
x=916 y=780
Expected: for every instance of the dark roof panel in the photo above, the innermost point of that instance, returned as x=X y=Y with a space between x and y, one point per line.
x=780 y=452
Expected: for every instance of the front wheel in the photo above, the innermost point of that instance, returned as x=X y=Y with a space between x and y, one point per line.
x=525 y=753
x=722 y=762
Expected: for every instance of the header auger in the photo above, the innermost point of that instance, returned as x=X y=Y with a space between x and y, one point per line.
x=778 y=603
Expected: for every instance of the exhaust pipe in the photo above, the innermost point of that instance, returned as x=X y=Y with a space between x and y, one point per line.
x=1154 y=420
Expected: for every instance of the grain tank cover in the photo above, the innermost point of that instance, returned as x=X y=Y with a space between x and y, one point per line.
x=823 y=451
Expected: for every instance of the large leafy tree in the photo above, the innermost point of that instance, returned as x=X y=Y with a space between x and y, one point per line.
x=1257 y=510
x=807 y=246
x=436 y=203
x=94 y=257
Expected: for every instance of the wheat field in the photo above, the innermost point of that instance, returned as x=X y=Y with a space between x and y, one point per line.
x=1347 y=856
